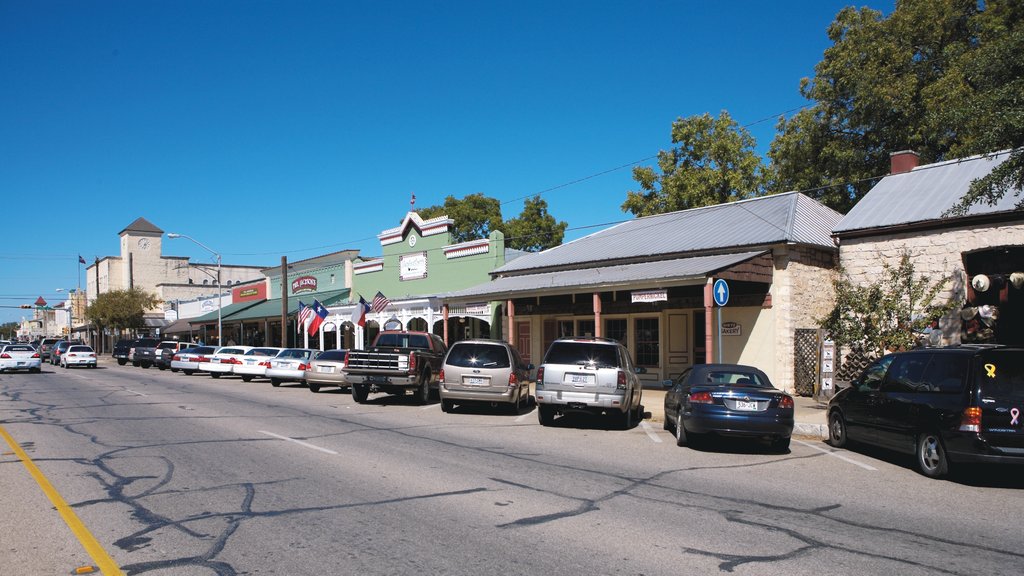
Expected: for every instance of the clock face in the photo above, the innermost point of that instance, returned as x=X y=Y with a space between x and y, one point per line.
x=412 y=240
x=144 y=243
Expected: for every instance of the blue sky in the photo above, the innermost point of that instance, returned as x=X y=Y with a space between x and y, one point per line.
x=269 y=129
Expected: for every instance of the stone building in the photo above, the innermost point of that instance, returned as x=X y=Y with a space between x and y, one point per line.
x=906 y=211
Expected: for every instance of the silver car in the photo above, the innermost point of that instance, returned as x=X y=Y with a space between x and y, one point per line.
x=592 y=375
x=188 y=359
x=255 y=363
x=484 y=371
x=326 y=370
x=290 y=365
x=78 y=355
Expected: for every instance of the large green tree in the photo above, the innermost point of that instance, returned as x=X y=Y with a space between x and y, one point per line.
x=534 y=229
x=712 y=161
x=941 y=77
x=121 y=309
x=476 y=216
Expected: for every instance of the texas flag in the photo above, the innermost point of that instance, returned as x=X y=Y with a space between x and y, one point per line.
x=318 y=317
x=359 y=314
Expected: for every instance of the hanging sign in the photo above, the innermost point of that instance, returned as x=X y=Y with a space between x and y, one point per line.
x=649 y=296
x=732 y=329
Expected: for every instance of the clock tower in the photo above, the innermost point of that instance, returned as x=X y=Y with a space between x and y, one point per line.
x=141 y=239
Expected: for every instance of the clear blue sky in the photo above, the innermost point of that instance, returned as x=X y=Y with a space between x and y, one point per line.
x=265 y=129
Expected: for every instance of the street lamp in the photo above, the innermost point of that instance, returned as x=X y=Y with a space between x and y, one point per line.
x=71 y=310
x=220 y=325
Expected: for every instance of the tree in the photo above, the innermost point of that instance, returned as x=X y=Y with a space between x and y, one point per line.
x=534 y=229
x=475 y=215
x=888 y=314
x=121 y=309
x=712 y=162
x=8 y=330
x=939 y=77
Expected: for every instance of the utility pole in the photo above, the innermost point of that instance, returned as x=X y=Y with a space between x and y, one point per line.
x=284 y=301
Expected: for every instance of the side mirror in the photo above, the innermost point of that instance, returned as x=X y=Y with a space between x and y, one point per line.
x=640 y=370
x=666 y=384
x=530 y=366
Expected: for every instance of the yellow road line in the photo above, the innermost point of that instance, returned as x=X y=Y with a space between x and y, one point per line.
x=95 y=550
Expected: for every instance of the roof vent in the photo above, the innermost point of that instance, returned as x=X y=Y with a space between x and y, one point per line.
x=903 y=161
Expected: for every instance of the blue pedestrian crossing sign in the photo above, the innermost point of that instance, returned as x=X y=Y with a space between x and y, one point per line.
x=721 y=292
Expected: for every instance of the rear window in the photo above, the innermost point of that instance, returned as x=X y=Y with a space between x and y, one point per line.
x=1001 y=375
x=295 y=353
x=583 y=353
x=201 y=350
x=168 y=345
x=80 y=349
x=478 y=356
x=262 y=352
x=735 y=378
x=231 y=351
x=19 y=349
x=336 y=355
x=399 y=340
x=146 y=343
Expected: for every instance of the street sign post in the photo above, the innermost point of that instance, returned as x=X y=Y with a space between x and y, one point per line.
x=720 y=291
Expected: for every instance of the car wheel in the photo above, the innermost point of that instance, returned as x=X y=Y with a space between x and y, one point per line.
x=447 y=405
x=836 y=429
x=931 y=456
x=145 y=365
x=214 y=375
x=189 y=372
x=780 y=445
x=121 y=361
x=36 y=370
x=136 y=364
x=360 y=392
x=246 y=378
x=545 y=415
x=314 y=388
x=423 y=390
x=162 y=367
x=681 y=439
x=174 y=369
x=275 y=382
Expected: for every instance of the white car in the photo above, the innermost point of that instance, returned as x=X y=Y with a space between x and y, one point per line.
x=78 y=355
x=224 y=361
x=255 y=363
x=188 y=359
x=20 y=357
x=290 y=365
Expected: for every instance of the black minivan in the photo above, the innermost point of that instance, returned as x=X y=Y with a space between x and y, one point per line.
x=944 y=405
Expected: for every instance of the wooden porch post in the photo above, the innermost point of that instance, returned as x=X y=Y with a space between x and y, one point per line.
x=511 y=331
x=597 y=315
x=709 y=305
x=444 y=313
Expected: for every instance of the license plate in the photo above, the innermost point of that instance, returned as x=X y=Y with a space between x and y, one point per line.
x=740 y=405
x=378 y=379
x=21 y=363
x=250 y=362
x=473 y=381
x=579 y=378
x=325 y=369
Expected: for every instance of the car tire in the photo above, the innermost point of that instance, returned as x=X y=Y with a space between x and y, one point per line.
x=780 y=445
x=360 y=392
x=121 y=361
x=136 y=364
x=680 y=430
x=836 y=429
x=36 y=370
x=145 y=365
x=423 y=389
x=246 y=378
x=546 y=415
x=275 y=382
x=174 y=369
x=314 y=388
x=447 y=406
x=162 y=367
x=215 y=375
x=189 y=372
x=931 y=455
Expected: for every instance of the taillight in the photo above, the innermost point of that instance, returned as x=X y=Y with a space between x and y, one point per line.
x=540 y=376
x=303 y=366
x=346 y=358
x=230 y=361
x=701 y=398
x=620 y=382
x=6 y=355
x=785 y=402
x=512 y=380
x=265 y=363
x=440 y=375
x=36 y=355
x=176 y=358
x=412 y=363
x=970 y=420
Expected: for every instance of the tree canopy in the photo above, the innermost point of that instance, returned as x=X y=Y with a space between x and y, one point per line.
x=534 y=229
x=476 y=216
x=712 y=162
x=121 y=309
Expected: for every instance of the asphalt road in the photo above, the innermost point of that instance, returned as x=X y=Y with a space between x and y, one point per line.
x=189 y=475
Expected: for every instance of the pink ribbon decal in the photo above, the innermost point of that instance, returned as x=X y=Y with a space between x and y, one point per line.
x=1015 y=414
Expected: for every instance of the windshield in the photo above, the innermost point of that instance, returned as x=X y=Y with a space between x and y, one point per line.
x=583 y=354
x=337 y=355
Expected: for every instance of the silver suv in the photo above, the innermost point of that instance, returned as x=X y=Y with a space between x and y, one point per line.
x=489 y=371
x=592 y=375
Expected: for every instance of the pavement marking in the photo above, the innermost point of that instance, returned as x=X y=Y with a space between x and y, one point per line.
x=838 y=455
x=88 y=541
x=522 y=418
x=299 y=442
x=427 y=407
x=650 y=432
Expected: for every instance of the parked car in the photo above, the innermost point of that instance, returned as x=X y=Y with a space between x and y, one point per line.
x=255 y=363
x=78 y=355
x=484 y=371
x=224 y=361
x=590 y=375
x=289 y=366
x=727 y=400
x=120 y=352
x=188 y=359
x=165 y=352
x=135 y=355
x=45 y=346
x=59 y=348
x=946 y=406
x=20 y=357
x=326 y=370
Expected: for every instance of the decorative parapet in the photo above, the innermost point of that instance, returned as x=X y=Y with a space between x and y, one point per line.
x=470 y=248
x=375 y=265
x=431 y=227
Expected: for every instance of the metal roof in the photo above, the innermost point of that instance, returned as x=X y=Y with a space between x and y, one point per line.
x=923 y=194
x=657 y=274
x=790 y=217
x=272 y=308
x=141 y=225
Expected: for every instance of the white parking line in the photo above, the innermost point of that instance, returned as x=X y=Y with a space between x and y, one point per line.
x=650 y=432
x=837 y=455
x=522 y=417
x=428 y=406
x=299 y=442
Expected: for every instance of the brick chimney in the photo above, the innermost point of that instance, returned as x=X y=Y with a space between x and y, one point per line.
x=903 y=161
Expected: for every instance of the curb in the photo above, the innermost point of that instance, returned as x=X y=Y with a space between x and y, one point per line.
x=815 y=430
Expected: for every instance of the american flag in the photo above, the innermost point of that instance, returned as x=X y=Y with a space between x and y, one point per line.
x=379 y=302
x=304 y=314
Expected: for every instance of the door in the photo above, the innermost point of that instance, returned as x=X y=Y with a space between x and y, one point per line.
x=523 y=341
x=862 y=400
x=897 y=414
x=678 y=350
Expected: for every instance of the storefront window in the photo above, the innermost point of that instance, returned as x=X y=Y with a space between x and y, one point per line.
x=616 y=329
x=648 y=350
x=585 y=328
x=565 y=329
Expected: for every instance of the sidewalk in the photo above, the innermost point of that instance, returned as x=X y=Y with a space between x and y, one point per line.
x=808 y=412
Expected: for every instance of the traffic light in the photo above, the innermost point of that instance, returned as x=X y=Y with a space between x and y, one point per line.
x=29 y=306
x=64 y=330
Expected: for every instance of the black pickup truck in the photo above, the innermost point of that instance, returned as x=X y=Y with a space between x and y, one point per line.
x=397 y=362
x=142 y=351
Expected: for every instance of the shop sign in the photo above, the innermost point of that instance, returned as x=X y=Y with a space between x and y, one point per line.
x=207 y=305
x=412 y=266
x=650 y=296
x=481 y=309
x=170 y=315
x=732 y=329
x=304 y=284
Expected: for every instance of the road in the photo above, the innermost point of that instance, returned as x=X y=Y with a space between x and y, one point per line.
x=188 y=475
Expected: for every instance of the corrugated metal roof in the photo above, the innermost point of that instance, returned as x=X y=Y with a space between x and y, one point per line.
x=923 y=194
x=641 y=275
x=781 y=218
x=141 y=225
x=272 y=308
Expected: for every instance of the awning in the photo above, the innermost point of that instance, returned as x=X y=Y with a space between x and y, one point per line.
x=656 y=274
x=211 y=317
x=272 y=308
x=179 y=326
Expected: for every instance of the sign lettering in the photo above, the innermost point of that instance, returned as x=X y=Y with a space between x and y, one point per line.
x=650 y=296
x=304 y=284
